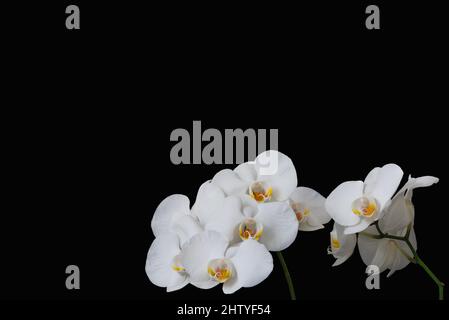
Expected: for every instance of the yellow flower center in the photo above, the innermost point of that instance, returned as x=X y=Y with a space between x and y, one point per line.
x=250 y=229
x=177 y=268
x=176 y=264
x=220 y=270
x=260 y=192
x=335 y=244
x=364 y=206
x=300 y=211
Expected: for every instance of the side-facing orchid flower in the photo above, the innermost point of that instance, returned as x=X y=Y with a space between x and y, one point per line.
x=357 y=204
x=173 y=225
x=308 y=206
x=209 y=262
x=341 y=245
x=271 y=177
x=387 y=244
x=242 y=218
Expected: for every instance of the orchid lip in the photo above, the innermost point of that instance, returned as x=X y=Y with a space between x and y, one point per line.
x=365 y=206
x=250 y=229
x=335 y=244
x=300 y=210
x=220 y=270
x=260 y=191
x=176 y=264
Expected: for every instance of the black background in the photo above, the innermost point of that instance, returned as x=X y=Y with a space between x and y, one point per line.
x=92 y=112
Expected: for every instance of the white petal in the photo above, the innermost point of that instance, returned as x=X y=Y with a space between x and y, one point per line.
x=385 y=183
x=168 y=210
x=246 y=172
x=159 y=259
x=399 y=214
x=378 y=252
x=382 y=256
x=197 y=253
x=186 y=226
x=413 y=183
x=307 y=196
x=339 y=203
x=362 y=225
x=206 y=284
x=313 y=201
x=282 y=185
x=385 y=253
x=249 y=206
x=400 y=262
x=370 y=180
x=252 y=264
x=347 y=244
x=403 y=255
x=227 y=220
x=393 y=268
x=312 y=220
x=209 y=198
x=368 y=245
x=279 y=172
x=280 y=225
x=400 y=211
x=230 y=183
x=403 y=249
x=232 y=250
x=232 y=285
x=420 y=182
x=320 y=214
x=341 y=259
x=307 y=227
x=178 y=281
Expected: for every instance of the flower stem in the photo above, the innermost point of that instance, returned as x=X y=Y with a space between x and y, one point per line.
x=416 y=258
x=288 y=278
x=433 y=276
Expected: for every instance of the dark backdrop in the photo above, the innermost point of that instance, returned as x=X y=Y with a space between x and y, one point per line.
x=94 y=109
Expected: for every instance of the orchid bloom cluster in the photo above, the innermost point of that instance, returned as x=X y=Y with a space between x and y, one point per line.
x=238 y=217
x=241 y=215
x=369 y=214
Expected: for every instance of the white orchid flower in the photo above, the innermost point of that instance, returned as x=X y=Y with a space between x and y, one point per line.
x=399 y=216
x=173 y=225
x=341 y=245
x=173 y=215
x=308 y=206
x=240 y=218
x=357 y=204
x=163 y=265
x=271 y=177
x=209 y=262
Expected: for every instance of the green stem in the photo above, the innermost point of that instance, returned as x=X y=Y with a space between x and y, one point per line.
x=416 y=258
x=288 y=278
